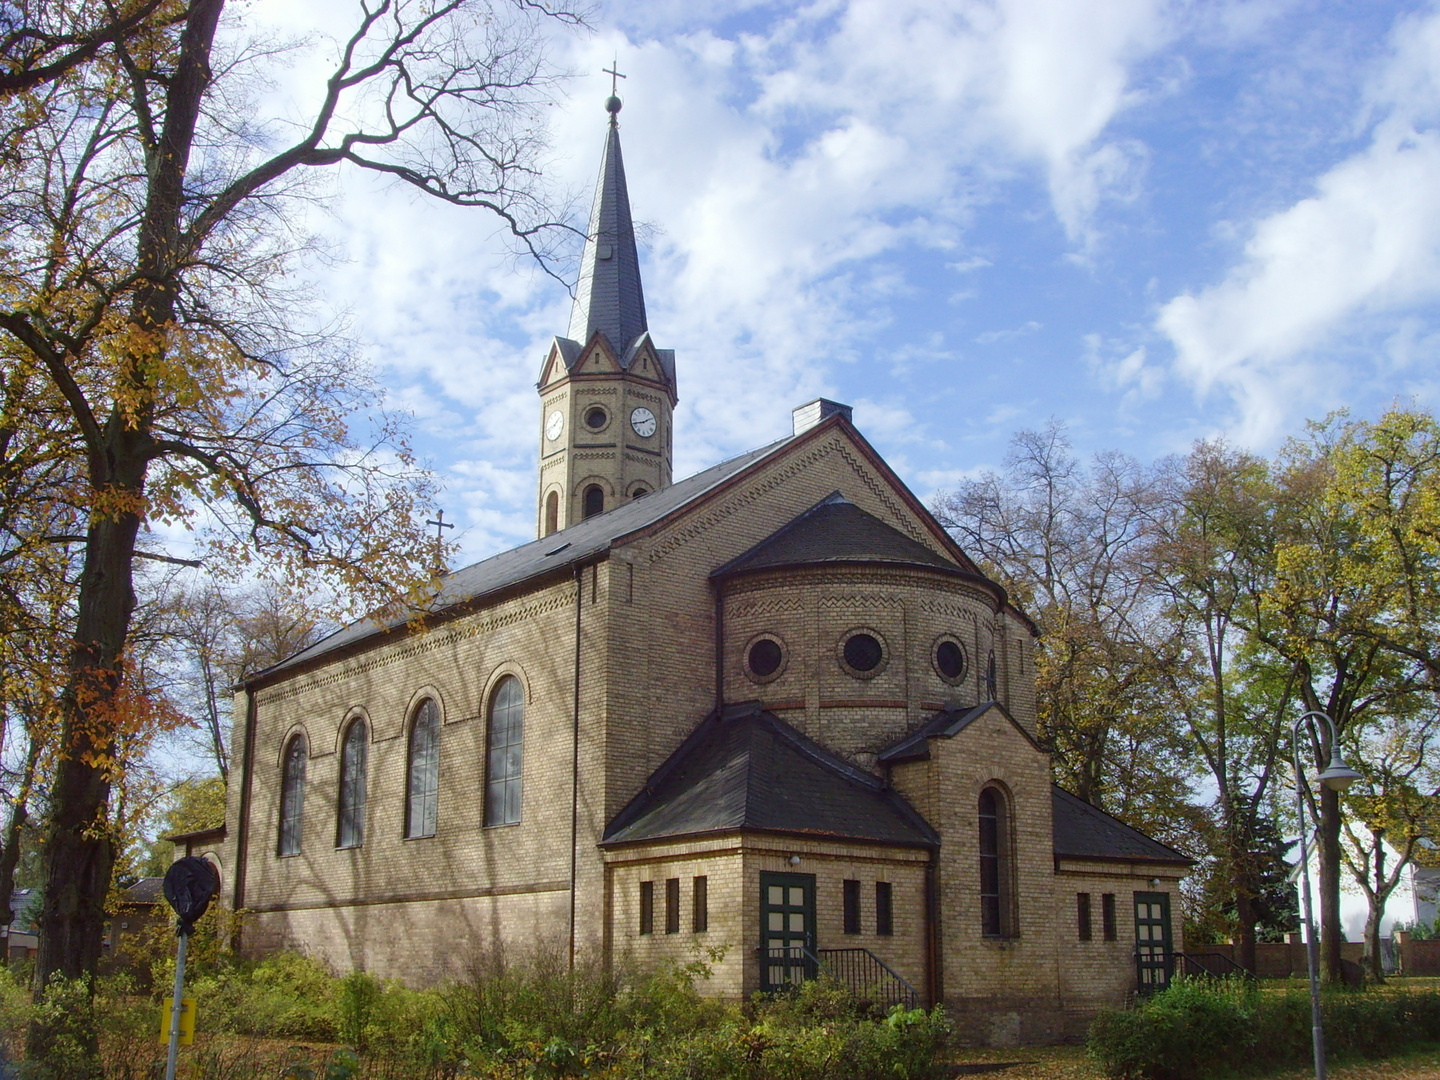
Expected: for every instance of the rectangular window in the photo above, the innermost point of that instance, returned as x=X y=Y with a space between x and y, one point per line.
x=700 y=904
x=884 y=920
x=1082 y=914
x=647 y=907
x=1107 y=916
x=852 y=906
x=672 y=905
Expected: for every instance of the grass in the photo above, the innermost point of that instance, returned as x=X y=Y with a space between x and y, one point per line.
x=1072 y=1063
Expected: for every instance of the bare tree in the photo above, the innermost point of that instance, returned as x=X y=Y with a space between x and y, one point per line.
x=1065 y=540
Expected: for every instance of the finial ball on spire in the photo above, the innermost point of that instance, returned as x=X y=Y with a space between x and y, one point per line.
x=612 y=104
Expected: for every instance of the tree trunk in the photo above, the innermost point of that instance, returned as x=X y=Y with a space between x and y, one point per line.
x=80 y=852
x=1246 y=918
x=1329 y=846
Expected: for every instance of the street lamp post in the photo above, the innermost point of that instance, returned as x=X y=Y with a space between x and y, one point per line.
x=1337 y=777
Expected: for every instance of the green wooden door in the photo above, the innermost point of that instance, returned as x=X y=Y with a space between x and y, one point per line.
x=1154 y=958
x=787 y=929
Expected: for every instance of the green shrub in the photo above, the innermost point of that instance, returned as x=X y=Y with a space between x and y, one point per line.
x=285 y=995
x=1207 y=1028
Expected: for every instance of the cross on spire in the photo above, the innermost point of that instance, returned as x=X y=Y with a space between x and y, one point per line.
x=613 y=103
x=614 y=74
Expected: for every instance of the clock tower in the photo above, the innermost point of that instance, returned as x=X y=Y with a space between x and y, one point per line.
x=607 y=394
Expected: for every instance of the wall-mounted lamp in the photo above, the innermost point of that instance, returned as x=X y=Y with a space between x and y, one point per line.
x=1154 y=882
x=794 y=860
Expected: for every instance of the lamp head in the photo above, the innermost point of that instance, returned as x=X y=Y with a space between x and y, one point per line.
x=1338 y=776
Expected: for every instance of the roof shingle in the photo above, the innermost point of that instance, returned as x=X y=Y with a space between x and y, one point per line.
x=744 y=769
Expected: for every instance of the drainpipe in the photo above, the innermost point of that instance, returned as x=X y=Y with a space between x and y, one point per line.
x=719 y=645
x=575 y=759
x=934 y=977
x=242 y=828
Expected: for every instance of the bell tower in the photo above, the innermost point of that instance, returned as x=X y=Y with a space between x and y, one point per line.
x=607 y=394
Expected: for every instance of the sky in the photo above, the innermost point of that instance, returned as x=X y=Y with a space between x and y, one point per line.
x=1155 y=221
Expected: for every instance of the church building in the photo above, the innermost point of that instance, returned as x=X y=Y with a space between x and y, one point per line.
x=770 y=710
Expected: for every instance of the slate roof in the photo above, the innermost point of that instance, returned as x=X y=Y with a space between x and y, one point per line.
x=1083 y=831
x=835 y=530
x=746 y=769
x=148 y=890
x=578 y=543
x=608 y=296
x=945 y=724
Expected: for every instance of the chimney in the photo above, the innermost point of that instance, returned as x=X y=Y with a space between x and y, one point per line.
x=813 y=412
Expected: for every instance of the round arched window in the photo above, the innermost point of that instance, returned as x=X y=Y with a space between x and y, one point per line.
x=594 y=500
x=596 y=418
x=765 y=657
x=949 y=660
x=862 y=653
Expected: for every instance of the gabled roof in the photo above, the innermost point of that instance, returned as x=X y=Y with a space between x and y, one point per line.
x=148 y=890
x=580 y=542
x=835 y=530
x=608 y=297
x=744 y=769
x=945 y=724
x=1083 y=831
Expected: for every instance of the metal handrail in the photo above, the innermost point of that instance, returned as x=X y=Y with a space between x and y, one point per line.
x=1194 y=964
x=862 y=972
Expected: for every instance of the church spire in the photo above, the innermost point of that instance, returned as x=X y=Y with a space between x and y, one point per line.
x=608 y=297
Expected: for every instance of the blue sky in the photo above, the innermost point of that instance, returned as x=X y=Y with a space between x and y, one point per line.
x=1156 y=221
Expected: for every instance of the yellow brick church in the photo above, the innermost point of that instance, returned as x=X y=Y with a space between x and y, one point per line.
x=771 y=708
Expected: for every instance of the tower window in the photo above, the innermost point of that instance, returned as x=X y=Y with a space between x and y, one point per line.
x=594 y=500
x=596 y=418
x=640 y=493
x=552 y=513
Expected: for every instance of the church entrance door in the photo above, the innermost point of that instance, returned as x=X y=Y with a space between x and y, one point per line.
x=787 y=929
x=1154 y=960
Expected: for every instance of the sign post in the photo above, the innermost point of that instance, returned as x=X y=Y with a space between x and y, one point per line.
x=190 y=884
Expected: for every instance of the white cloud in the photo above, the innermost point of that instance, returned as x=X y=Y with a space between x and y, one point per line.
x=1366 y=243
x=788 y=166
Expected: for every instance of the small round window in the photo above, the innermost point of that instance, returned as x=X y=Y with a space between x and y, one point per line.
x=596 y=418
x=764 y=658
x=949 y=658
x=862 y=653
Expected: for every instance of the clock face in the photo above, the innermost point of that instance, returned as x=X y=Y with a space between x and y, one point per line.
x=554 y=425
x=643 y=421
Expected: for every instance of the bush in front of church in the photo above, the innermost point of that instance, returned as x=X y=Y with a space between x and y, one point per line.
x=1202 y=1028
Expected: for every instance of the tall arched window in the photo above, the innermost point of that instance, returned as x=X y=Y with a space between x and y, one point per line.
x=350 y=829
x=422 y=785
x=552 y=513
x=594 y=500
x=996 y=889
x=292 y=796
x=502 y=765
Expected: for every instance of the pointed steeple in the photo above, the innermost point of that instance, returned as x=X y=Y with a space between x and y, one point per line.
x=608 y=297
